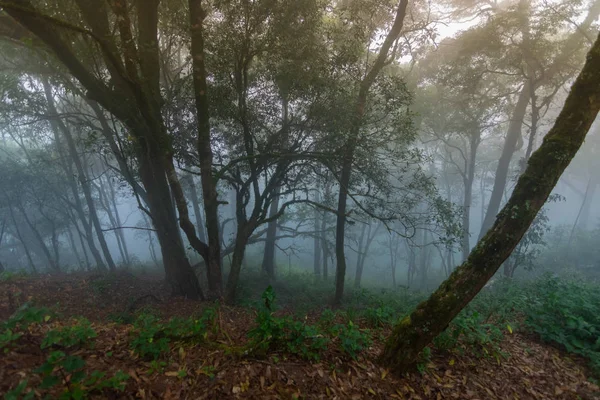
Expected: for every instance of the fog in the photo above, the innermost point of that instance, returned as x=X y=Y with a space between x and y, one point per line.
x=460 y=104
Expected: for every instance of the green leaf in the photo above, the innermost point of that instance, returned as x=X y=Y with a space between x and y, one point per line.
x=49 y=381
x=73 y=363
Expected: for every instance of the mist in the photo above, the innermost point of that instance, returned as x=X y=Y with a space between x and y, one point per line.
x=407 y=179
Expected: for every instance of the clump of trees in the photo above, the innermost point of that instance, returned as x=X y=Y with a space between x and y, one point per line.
x=233 y=123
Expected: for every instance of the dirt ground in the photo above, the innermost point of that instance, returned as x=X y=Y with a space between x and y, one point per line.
x=531 y=371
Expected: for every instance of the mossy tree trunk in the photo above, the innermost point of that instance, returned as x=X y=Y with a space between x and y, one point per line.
x=544 y=169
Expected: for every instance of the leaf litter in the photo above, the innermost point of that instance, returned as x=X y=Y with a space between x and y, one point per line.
x=214 y=370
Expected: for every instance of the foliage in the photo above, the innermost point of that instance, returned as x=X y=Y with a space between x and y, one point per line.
x=352 y=340
x=149 y=341
x=152 y=337
x=70 y=336
x=470 y=332
x=275 y=333
x=17 y=324
x=566 y=313
x=58 y=365
x=380 y=316
x=8 y=276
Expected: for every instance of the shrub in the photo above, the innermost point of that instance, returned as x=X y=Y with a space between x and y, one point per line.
x=70 y=336
x=274 y=333
x=152 y=337
x=19 y=322
x=58 y=365
x=566 y=313
x=468 y=331
x=352 y=340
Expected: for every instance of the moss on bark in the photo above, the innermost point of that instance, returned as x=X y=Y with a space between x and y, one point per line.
x=431 y=317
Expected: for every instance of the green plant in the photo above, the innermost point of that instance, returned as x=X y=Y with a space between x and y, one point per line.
x=287 y=334
x=380 y=316
x=152 y=337
x=424 y=359
x=8 y=276
x=149 y=340
x=566 y=313
x=19 y=322
x=352 y=340
x=70 y=336
x=156 y=366
x=59 y=365
x=327 y=318
x=19 y=392
x=7 y=337
x=468 y=331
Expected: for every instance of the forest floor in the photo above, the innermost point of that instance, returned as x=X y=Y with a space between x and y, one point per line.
x=213 y=369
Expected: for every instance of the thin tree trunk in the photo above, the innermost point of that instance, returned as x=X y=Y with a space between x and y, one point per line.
x=241 y=239
x=120 y=233
x=359 y=255
x=411 y=335
x=350 y=146
x=510 y=146
x=40 y=240
x=196 y=208
x=325 y=248
x=109 y=136
x=317 y=252
x=105 y=204
x=74 y=248
x=20 y=237
x=85 y=186
x=584 y=219
x=209 y=185
x=576 y=223
x=268 y=264
x=371 y=234
x=83 y=241
x=469 y=177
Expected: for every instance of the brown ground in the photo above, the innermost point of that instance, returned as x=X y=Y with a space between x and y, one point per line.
x=532 y=371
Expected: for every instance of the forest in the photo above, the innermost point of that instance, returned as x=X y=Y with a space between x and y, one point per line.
x=298 y=199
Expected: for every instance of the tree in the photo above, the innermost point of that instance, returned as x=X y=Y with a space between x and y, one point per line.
x=535 y=31
x=132 y=94
x=544 y=168
x=351 y=142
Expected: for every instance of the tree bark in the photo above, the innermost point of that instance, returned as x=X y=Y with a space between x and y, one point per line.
x=360 y=265
x=133 y=96
x=317 y=252
x=544 y=169
x=121 y=235
x=40 y=240
x=20 y=237
x=74 y=248
x=350 y=147
x=570 y=47
x=209 y=185
x=469 y=177
x=85 y=185
x=510 y=146
x=241 y=239
x=196 y=207
x=268 y=264
x=106 y=205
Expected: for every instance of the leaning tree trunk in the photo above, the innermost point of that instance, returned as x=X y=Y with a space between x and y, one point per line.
x=546 y=165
